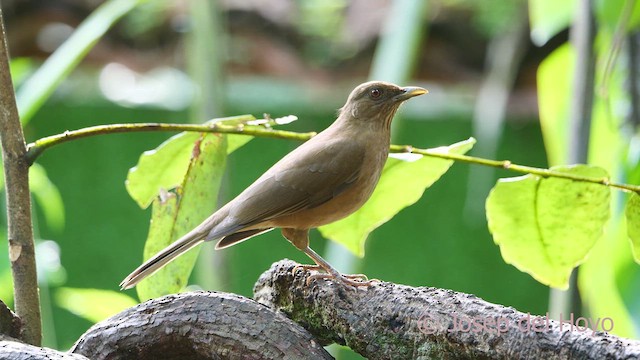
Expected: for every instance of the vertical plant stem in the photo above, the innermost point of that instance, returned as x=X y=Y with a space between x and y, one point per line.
x=582 y=38
x=20 y=232
x=206 y=51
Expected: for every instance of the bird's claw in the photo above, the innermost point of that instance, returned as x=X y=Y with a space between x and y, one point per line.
x=305 y=267
x=354 y=280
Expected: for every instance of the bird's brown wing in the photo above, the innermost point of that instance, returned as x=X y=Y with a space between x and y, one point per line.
x=316 y=176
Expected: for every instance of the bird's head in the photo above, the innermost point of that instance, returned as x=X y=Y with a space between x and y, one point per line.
x=376 y=102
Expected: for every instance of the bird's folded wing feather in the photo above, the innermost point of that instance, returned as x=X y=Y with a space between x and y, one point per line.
x=316 y=177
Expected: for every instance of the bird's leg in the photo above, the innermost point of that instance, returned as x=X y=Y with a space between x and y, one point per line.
x=300 y=239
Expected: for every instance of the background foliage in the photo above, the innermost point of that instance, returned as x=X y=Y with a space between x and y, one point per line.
x=302 y=57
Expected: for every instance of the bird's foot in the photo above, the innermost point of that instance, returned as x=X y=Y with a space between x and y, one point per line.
x=345 y=279
x=352 y=280
x=330 y=273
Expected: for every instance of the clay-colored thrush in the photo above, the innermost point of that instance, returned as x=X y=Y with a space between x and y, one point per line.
x=322 y=181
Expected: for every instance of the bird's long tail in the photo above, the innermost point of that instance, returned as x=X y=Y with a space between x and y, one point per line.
x=179 y=247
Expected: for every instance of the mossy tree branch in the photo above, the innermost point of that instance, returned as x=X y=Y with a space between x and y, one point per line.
x=392 y=321
x=199 y=325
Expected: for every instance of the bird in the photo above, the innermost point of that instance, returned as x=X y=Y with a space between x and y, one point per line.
x=321 y=181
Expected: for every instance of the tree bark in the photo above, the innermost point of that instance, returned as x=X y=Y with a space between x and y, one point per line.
x=382 y=321
x=11 y=349
x=199 y=325
x=20 y=232
x=10 y=324
x=387 y=320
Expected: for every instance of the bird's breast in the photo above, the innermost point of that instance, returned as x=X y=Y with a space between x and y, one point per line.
x=345 y=203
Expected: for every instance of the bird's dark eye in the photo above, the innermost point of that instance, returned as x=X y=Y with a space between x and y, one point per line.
x=375 y=93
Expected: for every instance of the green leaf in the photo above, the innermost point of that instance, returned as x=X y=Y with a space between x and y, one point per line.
x=162 y=168
x=173 y=216
x=93 y=304
x=37 y=89
x=632 y=213
x=547 y=226
x=402 y=184
x=549 y=17
x=47 y=197
x=554 y=88
x=165 y=166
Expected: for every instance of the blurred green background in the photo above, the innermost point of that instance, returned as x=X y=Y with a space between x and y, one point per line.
x=165 y=63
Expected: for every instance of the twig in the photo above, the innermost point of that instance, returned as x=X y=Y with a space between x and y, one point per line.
x=36 y=148
x=508 y=165
x=20 y=232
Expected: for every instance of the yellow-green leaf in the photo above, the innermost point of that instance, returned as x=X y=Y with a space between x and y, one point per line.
x=402 y=184
x=632 y=212
x=174 y=215
x=547 y=226
x=161 y=168
x=554 y=89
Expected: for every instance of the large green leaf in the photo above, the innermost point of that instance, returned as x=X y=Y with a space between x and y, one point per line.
x=632 y=212
x=165 y=167
x=93 y=304
x=174 y=215
x=402 y=184
x=547 y=226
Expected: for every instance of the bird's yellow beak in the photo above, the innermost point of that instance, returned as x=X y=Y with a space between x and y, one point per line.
x=410 y=91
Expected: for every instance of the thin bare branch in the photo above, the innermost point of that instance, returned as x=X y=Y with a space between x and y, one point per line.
x=20 y=232
x=36 y=148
